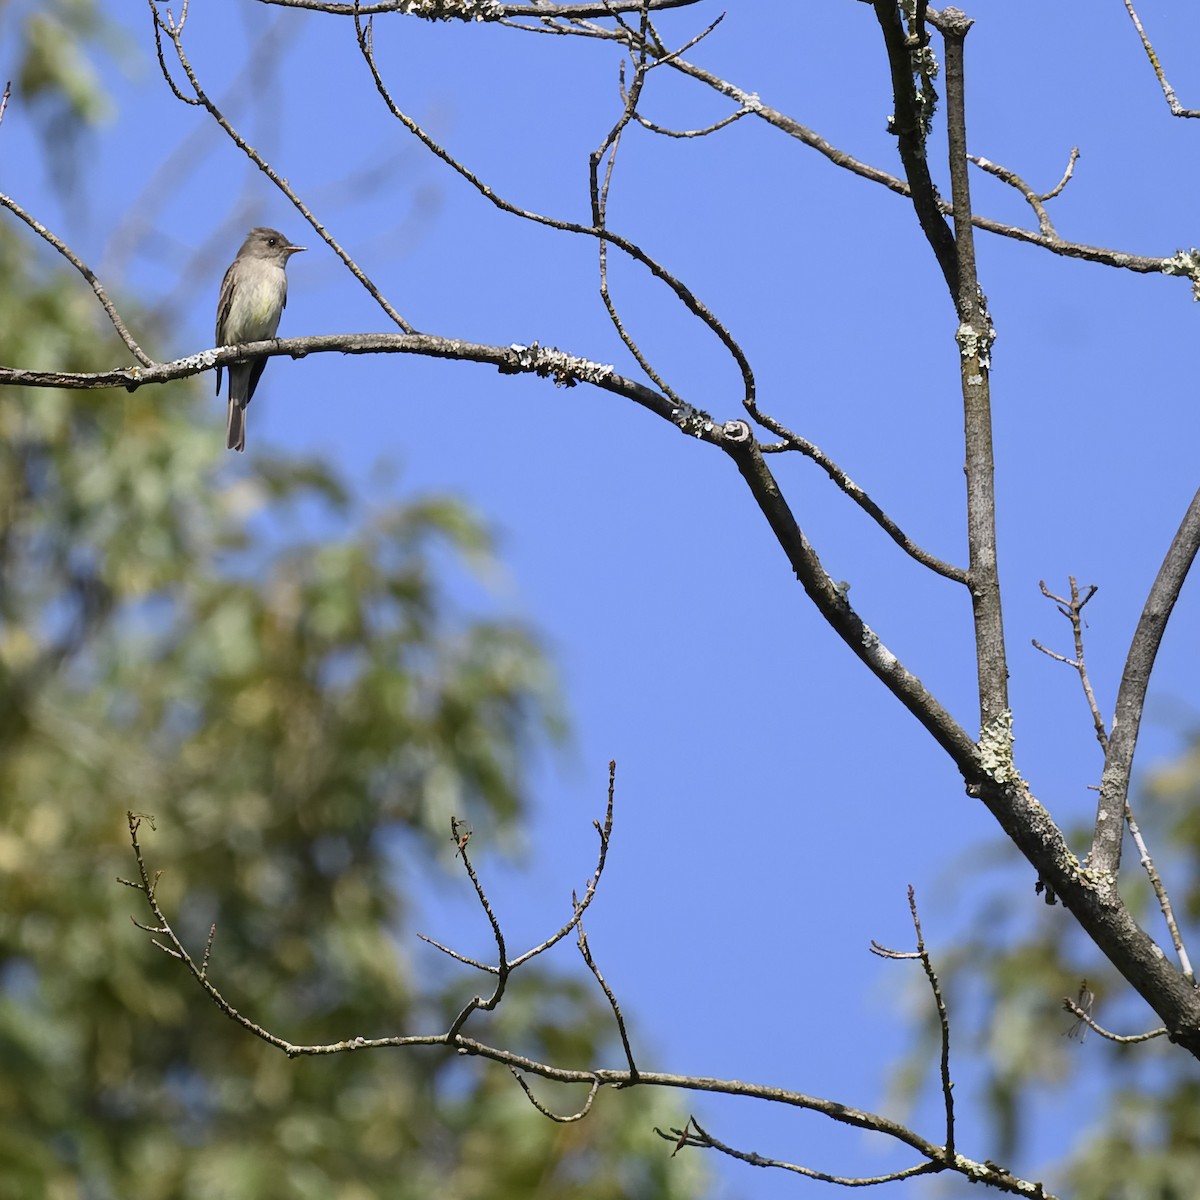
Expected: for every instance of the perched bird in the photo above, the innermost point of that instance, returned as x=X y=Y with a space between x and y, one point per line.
x=253 y=296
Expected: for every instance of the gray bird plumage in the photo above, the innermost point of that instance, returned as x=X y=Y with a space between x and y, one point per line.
x=253 y=297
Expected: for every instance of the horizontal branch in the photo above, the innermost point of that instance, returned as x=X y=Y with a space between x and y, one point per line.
x=483 y=10
x=565 y=369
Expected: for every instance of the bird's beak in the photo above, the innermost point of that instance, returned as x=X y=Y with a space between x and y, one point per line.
x=295 y=250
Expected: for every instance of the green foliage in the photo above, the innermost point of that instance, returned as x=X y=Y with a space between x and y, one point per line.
x=298 y=713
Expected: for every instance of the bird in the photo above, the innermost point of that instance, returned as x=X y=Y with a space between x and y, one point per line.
x=253 y=297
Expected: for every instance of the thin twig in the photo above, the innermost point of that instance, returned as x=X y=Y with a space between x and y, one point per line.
x=1160 y=892
x=1120 y=259
x=585 y=950
x=1056 y=190
x=1072 y=609
x=579 y=907
x=695 y=306
x=461 y=836
x=1083 y=1015
x=704 y=1140
x=1014 y=180
x=560 y=1120
x=939 y=1001
x=491 y=10
x=84 y=270
x=598 y=193
x=174 y=32
x=1177 y=109
x=793 y=441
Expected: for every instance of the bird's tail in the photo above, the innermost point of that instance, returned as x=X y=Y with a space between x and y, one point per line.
x=241 y=385
x=235 y=433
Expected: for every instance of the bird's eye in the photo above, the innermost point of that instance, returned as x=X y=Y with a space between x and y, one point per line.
x=272 y=241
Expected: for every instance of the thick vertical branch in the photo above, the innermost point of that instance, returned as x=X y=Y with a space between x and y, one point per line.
x=908 y=125
x=975 y=336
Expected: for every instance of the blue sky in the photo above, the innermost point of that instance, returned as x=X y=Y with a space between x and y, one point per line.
x=773 y=801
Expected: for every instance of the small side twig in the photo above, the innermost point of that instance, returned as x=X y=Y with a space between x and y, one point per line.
x=556 y=1117
x=704 y=1140
x=1072 y=609
x=462 y=835
x=943 y=1016
x=1127 y=1040
x=1036 y=200
x=585 y=950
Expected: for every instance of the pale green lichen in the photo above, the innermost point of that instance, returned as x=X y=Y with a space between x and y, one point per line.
x=693 y=421
x=975 y=343
x=996 y=749
x=454 y=10
x=565 y=369
x=1185 y=262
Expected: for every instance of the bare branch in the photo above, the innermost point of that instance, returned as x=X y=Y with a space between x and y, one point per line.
x=1036 y=201
x=84 y=270
x=1160 y=892
x=833 y=605
x=1177 y=109
x=939 y=1002
x=696 y=307
x=908 y=124
x=975 y=336
x=599 y=198
x=793 y=441
x=462 y=835
x=175 y=32
x=579 y=907
x=937 y=1157
x=583 y=1112
x=480 y=10
x=585 y=950
x=1072 y=609
x=704 y=1140
x=1083 y=1015
x=1105 y=856
x=1119 y=259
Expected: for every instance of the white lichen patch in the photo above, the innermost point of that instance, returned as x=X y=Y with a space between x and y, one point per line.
x=565 y=369
x=695 y=422
x=996 y=749
x=1185 y=262
x=454 y=10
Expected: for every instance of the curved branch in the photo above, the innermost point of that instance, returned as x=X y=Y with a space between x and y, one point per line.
x=1123 y=260
x=1105 y=856
x=695 y=306
x=174 y=31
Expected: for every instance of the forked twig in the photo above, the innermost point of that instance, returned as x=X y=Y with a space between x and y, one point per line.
x=702 y=1139
x=939 y=1001
x=1072 y=609
x=1036 y=200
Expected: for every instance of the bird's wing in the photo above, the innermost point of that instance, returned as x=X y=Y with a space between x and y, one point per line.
x=223 y=304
